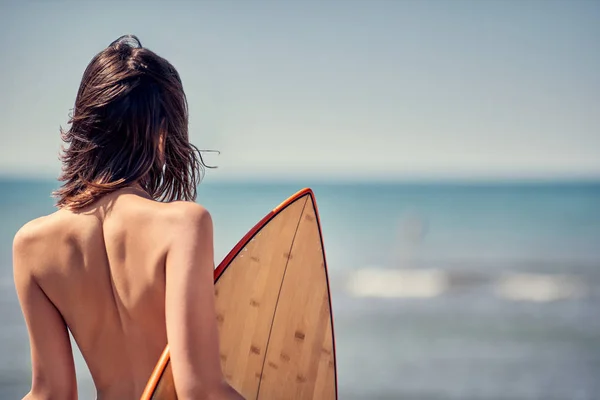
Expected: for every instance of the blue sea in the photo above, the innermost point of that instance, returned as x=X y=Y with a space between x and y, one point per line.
x=440 y=291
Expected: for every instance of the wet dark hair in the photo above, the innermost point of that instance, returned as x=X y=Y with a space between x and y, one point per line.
x=129 y=98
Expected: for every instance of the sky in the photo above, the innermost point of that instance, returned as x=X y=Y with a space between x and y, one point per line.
x=370 y=89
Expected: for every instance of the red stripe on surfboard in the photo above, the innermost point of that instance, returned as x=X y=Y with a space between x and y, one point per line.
x=314 y=202
x=165 y=356
x=156 y=374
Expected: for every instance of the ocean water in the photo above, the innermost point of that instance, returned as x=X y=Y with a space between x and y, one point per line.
x=440 y=291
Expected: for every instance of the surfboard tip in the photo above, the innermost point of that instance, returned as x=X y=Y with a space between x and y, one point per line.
x=294 y=197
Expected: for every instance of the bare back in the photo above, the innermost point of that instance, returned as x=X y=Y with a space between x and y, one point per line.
x=103 y=269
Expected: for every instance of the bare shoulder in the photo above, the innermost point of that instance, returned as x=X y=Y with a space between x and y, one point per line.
x=34 y=233
x=189 y=216
x=35 y=239
x=183 y=225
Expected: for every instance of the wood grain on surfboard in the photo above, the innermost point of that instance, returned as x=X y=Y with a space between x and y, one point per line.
x=273 y=311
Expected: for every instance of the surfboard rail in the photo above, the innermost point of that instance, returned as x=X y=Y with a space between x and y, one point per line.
x=165 y=356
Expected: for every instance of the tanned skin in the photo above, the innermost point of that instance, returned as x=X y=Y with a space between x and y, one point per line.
x=126 y=276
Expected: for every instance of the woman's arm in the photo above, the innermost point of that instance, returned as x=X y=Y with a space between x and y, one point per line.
x=190 y=308
x=53 y=368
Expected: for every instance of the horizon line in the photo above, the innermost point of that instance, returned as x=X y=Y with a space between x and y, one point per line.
x=361 y=179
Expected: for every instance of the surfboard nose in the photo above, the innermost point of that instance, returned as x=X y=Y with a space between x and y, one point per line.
x=274 y=311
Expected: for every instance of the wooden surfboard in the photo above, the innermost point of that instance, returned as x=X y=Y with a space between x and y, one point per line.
x=273 y=311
